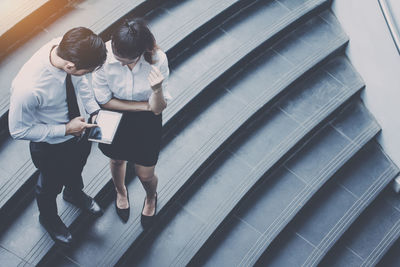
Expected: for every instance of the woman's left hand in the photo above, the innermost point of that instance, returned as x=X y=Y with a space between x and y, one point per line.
x=155 y=79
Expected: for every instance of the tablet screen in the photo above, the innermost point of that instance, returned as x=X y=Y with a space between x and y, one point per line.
x=107 y=122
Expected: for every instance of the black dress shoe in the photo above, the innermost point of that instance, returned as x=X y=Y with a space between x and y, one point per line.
x=84 y=202
x=57 y=230
x=123 y=214
x=147 y=221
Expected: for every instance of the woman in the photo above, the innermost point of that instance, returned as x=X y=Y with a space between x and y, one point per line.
x=133 y=80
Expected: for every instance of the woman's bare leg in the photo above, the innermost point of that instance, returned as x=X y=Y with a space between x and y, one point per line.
x=118 y=172
x=149 y=181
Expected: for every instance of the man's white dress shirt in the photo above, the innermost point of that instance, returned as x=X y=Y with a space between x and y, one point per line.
x=38 y=105
x=113 y=80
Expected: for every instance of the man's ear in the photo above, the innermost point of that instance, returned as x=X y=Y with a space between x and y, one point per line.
x=70 y=66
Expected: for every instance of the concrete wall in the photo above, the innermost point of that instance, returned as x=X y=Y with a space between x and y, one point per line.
x=374 y=55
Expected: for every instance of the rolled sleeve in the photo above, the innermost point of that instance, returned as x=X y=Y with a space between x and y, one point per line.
x=101 y=89
x=85 y=92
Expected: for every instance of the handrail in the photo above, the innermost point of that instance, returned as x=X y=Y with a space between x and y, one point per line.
x=394 y=31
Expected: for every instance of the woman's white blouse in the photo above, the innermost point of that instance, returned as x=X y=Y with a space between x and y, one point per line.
x=113 y=80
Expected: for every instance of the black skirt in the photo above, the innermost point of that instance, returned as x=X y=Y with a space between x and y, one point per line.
x=138 y=139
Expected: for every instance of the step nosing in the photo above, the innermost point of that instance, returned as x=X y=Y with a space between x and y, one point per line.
x=348 y=218
x=34 y=9
x=383 y=246
x=97 y=27
x=170 y=39
x=10 y=187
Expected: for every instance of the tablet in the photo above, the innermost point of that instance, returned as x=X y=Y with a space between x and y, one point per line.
x=107 y=122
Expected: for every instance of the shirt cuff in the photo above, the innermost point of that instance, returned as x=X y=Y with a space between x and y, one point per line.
x=59 y=130
x=105 y=99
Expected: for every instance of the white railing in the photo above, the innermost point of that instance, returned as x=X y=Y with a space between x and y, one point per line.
x=394 y=31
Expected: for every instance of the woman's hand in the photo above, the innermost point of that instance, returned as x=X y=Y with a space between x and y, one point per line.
x=155 y=79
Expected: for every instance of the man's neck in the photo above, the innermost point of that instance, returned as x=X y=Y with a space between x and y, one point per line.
x=55 y=60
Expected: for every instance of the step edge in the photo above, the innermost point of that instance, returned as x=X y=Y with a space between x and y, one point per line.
x=384 y=245
x=349 y=217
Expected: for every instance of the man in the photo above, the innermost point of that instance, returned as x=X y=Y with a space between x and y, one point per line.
x=44 y=109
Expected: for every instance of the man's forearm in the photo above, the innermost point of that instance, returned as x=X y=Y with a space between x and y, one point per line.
x=126 y=105
x=38 y=132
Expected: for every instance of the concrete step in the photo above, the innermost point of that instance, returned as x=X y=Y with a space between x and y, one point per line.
x=392 y=258
x=176 y=21
x=333 y=210
x=20 y=18
x=16 y=11
x=8 y=258
x=371 y=236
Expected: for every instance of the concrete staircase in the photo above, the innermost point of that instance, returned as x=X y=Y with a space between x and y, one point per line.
x=268 y=157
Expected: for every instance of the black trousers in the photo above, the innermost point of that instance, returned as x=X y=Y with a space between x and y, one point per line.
x=59 y=165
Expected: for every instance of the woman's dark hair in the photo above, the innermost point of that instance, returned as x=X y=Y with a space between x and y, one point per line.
x=132 y=38
x=83 y=48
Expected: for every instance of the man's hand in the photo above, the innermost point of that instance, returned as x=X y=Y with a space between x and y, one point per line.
x=155 y=79
x=77 y=126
